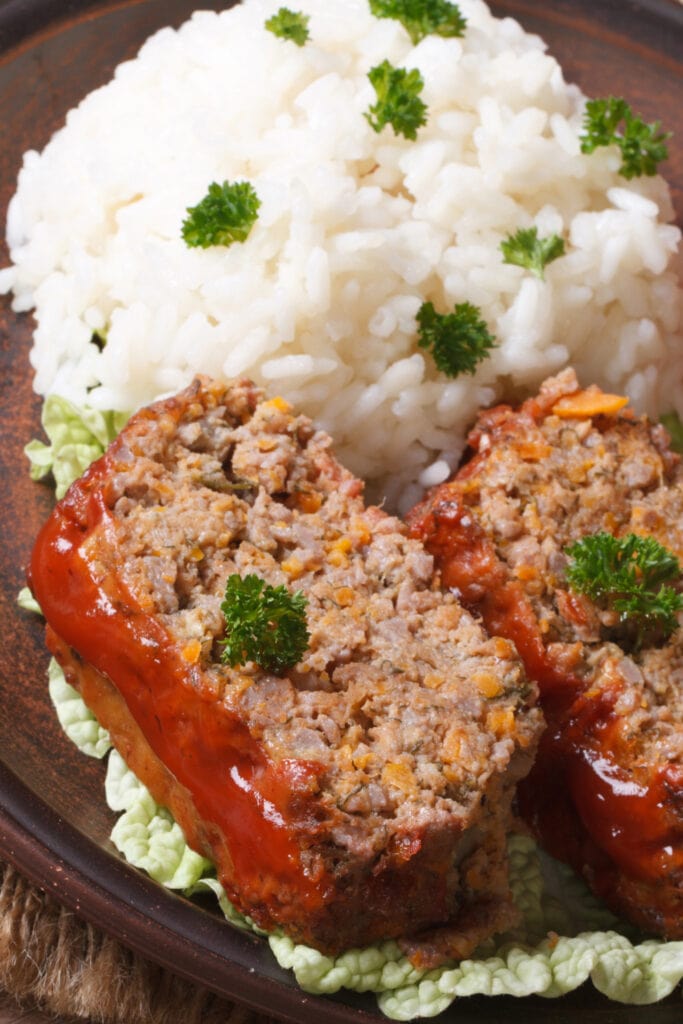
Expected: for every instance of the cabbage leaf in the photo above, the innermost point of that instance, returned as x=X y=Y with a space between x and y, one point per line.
x=76 y=438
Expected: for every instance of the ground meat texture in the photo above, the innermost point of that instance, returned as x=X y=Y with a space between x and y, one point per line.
x=606 y=792
x=364 y=794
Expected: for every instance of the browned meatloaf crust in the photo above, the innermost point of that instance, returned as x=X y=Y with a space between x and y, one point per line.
x=364 y=794
x=606 y=793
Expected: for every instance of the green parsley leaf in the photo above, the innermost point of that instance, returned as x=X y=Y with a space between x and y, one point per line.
x=629 y=575
x=458 y=341
x=672 y=422
x=398 y=100
x=225 y=215
x=526 y=249
x=263 y=624
x=292 y=25
x=612 y=122
x=422 y=18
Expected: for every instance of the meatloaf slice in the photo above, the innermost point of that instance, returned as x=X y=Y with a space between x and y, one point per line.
x=606 y=792
x=363 y=794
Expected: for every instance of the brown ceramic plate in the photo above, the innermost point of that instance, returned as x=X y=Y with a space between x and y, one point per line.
x=53 y=821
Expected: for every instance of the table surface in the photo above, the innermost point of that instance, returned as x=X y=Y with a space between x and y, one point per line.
x=11 y=1013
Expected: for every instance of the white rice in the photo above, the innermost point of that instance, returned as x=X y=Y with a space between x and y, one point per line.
x=355 y=231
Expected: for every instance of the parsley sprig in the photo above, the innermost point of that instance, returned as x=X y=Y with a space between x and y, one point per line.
x=458 y=341
x=398 y=99
x=264 y=624
x=422 y=18
x=671 y=421
x=292 y=25
x=611 y=121
x=526 y=249
x=631 y=576
x=225 y=215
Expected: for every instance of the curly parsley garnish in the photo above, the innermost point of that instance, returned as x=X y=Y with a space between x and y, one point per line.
x=422 y=18
x=292 y=25
x=225 y=215
x=629 y=575
x=398 y=99
x=671 y=421
x=458 y=341
x=526 y=249
x=263 y=624
x=612 y=122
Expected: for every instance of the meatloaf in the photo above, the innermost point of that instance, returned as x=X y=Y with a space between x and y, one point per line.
x=606 y=792
x=366 y=792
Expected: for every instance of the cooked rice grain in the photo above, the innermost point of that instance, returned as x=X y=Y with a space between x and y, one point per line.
x=356 y=230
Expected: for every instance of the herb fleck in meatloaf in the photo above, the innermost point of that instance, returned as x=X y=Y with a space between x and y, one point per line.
x=367 y=792
x=606 y=792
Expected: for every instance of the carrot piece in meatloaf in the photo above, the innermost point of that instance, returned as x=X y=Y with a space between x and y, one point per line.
x=606 y=792
x=366 y=792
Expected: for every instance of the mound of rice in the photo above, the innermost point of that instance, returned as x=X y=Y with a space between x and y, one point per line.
x=356 y=229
